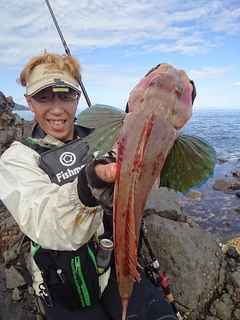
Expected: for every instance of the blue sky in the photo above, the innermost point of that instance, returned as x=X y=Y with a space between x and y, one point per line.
x=117 y=42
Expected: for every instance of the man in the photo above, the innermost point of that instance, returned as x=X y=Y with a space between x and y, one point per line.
x=56 y=208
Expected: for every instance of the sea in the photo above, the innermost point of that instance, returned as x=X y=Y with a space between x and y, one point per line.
x=220 y=127
x=214 y=210
x=217 y=211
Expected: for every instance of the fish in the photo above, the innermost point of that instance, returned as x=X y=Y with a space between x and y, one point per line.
x=150 y=150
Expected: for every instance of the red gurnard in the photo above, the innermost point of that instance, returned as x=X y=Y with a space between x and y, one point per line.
x=149 y=149
x=159 y=106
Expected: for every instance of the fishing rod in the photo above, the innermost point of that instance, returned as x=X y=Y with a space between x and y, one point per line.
x=67 y=51
x=158 y=278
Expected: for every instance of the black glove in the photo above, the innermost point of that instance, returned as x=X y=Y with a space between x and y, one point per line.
x=92 y=190
x=84 y=192
x=102 y=191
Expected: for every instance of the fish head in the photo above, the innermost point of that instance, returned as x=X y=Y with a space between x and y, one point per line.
x=167 y=89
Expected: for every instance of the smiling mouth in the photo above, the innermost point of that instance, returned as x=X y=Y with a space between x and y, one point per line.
x=57 y=123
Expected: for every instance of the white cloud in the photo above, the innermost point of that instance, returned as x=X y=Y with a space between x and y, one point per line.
x=210 y=72
x=236 y=84
x=110 y=78
x=139 y=33
x=28 y=26
x=187 y=45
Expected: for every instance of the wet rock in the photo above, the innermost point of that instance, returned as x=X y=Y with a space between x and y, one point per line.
x=234 y=185
x=236 y=174
x=237 y=210
x=221 y=310
x=222 y=184
x=194 y=195
x=222 y=160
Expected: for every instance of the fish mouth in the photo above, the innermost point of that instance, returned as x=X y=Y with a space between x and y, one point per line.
x=167 y=85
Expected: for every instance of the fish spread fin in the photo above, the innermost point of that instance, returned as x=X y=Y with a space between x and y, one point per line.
x=106 y=122
x=189 y=164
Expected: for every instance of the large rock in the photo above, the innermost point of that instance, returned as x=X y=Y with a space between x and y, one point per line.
x=161 y=201
x=190 y=256
x=6 y=103
x=12 y=127
x=14 y=279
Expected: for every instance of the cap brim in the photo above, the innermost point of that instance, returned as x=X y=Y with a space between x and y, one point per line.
x=44 y=85
x=42 y=76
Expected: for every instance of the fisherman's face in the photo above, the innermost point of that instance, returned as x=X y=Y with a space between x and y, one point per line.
x=55 y=112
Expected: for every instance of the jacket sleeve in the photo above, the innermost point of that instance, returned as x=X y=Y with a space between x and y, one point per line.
x=49 y=214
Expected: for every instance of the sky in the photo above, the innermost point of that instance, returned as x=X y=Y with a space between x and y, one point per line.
x=117 y=42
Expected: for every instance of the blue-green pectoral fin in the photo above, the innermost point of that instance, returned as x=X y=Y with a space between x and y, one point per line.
x=106 y=122
x=189 y=164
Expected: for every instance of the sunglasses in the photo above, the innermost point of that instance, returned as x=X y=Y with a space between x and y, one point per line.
x=47 y=95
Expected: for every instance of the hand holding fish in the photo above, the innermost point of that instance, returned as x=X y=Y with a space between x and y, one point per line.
x=106 y=172
x=149 y=149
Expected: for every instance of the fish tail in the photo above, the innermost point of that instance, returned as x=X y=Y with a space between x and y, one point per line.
x=124 y=308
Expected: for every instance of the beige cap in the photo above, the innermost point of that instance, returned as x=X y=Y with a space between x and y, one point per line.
x=47 y=75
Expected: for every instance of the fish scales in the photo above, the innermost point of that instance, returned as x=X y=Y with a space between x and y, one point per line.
x=159 y=106
x=146 y=138
x=141 y=162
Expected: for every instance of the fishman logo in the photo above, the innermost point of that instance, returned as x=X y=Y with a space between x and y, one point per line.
x=68 y=173
x=68 y=159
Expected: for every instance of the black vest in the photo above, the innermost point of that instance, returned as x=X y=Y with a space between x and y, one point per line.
x=62 y=164
x=70 y=278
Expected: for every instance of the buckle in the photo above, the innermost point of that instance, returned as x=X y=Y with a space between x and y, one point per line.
x=45 y=295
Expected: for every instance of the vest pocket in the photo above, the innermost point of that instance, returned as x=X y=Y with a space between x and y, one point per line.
x=70 y=278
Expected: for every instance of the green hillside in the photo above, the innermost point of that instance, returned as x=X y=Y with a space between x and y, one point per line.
x=20 y=107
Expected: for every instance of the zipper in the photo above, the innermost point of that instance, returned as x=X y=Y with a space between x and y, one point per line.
x=92 y=256
x=81 y=283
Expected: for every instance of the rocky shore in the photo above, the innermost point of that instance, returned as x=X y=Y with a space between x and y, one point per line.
x=204 y=272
